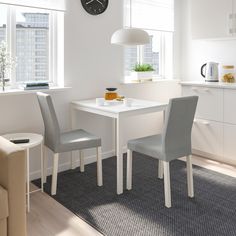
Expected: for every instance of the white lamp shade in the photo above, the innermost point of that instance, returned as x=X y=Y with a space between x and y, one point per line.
x=130 y=36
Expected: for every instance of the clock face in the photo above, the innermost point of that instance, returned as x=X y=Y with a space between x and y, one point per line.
x=95 y=7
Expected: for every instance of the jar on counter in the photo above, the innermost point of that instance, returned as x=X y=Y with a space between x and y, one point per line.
x=111 y=94
x=228 y=74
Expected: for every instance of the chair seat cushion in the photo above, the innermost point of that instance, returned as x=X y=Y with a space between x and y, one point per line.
x=77 y=140
x=150 y=146
x=3 y=203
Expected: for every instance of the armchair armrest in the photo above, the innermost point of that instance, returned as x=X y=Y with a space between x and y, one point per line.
x=12 y=178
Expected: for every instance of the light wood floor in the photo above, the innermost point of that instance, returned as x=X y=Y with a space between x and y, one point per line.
x=49 y=218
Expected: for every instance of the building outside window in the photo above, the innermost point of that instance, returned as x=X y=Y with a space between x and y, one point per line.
x=31 y=46
x=157 y=18
x=34 y=42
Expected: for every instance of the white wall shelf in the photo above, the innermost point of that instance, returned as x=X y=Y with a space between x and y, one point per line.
x=12 y=92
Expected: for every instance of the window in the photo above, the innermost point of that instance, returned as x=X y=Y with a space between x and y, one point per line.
x=3 y=23
x=157 y=18
x=33 y=35
x=29 y=22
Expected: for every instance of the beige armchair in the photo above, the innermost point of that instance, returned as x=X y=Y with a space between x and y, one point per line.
x=12 y=189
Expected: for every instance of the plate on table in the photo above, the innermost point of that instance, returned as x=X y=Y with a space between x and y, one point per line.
x=112 y=102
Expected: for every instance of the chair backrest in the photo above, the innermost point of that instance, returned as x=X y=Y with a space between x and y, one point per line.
x=52 y=129
x=178 y=127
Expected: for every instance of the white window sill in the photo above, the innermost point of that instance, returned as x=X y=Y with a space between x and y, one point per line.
x=22 y=91
x=124 y=82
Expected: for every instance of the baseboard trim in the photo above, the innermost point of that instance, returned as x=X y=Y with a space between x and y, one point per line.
x=66 y=166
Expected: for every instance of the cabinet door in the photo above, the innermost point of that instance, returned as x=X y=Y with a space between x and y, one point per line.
x=210 y=102
x=211 y=18
x=230 y=106
x=233 y=21
x=207 y=137
x=230 y=143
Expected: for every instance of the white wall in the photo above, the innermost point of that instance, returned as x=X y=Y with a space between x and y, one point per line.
x=91 y=65
x=197 y=52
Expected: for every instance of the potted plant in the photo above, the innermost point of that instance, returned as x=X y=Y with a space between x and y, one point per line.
x=6 y=63
x=142 y=72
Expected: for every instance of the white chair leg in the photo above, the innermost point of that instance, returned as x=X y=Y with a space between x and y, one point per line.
x=54 y=174
x=45 y=165
x=72 y=160
x=160 y=169
x=129 y=169
x=167 y=184
x=190 y=176
x=99 y=167
x=42 y=165
x=81 y=155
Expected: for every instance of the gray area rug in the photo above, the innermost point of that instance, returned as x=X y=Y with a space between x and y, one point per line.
x=141 y=211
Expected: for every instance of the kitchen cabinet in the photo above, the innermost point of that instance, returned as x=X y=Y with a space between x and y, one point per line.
x=213 y=19
x=210 y=103
x=229 y=143
x=230 y=106
x=214 y=128
x=207 y=137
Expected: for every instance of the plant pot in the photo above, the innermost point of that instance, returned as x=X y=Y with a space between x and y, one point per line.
x=145 y=75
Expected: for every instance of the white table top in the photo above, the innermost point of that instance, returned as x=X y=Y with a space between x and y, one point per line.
x=35 y=139
x=138 y=106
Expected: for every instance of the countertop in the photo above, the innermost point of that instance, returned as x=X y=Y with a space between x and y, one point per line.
x=209 y=84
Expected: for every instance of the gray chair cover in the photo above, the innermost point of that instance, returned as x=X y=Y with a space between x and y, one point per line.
x=175 y=140
x=63 y=142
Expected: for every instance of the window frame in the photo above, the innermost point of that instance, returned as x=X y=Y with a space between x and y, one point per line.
x=163 y=60
x=56 y=31
x=166 y=62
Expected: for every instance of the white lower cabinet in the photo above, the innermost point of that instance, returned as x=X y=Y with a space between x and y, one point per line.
x=210 y=102
x=207 y=137
x=214 y=128
x=230 y=143
x=230 y=106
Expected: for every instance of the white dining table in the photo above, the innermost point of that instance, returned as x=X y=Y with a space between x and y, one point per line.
x=119 y=112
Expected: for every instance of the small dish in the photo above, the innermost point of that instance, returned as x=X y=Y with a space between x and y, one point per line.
x=112 y=102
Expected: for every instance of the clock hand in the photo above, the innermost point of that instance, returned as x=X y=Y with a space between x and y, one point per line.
x=100 y=2
x=89 y=2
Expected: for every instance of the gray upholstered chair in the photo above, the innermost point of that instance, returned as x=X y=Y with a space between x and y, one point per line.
x=173 y=143
x=59 y=142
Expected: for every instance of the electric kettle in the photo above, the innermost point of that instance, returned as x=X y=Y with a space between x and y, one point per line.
x=210 y=71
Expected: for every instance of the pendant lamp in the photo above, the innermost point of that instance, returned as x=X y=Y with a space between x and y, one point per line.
x=130 y=36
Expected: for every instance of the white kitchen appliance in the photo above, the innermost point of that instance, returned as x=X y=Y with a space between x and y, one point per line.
x=210 y=71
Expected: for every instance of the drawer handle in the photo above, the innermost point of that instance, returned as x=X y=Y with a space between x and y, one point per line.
x=201 y=122
x=194 y=89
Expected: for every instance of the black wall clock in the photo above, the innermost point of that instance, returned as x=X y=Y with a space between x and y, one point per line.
x=95 y=7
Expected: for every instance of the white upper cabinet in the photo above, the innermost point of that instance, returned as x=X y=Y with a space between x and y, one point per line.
x=213 y=19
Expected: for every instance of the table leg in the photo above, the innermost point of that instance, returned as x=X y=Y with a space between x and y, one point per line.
x=28 y=180
x=73 y=113
x=114 y=135
x=42 y=165
x=160 y=164
x=119 y=156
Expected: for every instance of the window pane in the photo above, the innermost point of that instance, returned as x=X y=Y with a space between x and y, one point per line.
x=147 y=54
x=151 y=52
x=32 y=45
x=150 y=14
x=3 y=22
x=131 y=58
